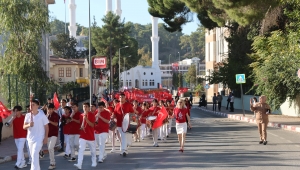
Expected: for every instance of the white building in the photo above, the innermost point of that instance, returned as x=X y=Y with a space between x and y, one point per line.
x=166 y=70
x=216 y=51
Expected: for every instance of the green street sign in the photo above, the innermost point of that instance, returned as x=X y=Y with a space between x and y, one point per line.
x=240 y=78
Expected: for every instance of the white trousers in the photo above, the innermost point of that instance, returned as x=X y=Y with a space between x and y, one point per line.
x=20 y=142
x=34 y=148
x=143 y=130
x=67 y=141
x=129 y=138
x=169 y=126
x=51 y=145
x=82 y=146
x=155 y=135
x=28 y=151
x=74 y=143
x=123 y=146
x=101 y=138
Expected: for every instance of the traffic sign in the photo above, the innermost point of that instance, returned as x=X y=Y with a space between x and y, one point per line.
x=206 y=86
x=240 y=78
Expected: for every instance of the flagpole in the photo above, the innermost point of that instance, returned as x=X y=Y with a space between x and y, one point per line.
x=65 y=17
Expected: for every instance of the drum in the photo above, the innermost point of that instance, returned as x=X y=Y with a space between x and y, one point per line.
x=151 y=118
x=128 y=124
x=132 y=127
x=112 y=125
x=125 y=123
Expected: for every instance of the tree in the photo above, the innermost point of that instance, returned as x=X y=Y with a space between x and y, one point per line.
x=60 y=27
x=190 y=75
x=22 y=42
x=238 y=59
x=276 y=60
x=180 y=80
x=109 y=38
x=175 y=79
x=194 y=44
x=64 y=46
x=145 y=60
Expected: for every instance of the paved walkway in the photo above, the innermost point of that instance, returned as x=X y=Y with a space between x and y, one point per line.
x=277 y=121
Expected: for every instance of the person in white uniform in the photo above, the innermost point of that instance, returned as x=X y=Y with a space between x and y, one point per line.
x=36 y=124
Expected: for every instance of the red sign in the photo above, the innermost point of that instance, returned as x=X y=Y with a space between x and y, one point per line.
x=175 y=67
x=99 y=62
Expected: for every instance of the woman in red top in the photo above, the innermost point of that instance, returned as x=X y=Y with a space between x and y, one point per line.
x=180 y=114
x=153 y=111
x=19 y=135
x=144 y=115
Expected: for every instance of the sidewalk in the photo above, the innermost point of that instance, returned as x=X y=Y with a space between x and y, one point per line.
x=277 y=121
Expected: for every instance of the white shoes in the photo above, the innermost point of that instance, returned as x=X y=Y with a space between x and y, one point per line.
x=112 y=151
x=77 y=166
x=94 y=164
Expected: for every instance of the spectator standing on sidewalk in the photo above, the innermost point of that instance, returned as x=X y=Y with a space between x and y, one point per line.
x=219 y=99
x=232 y=103
x=228 y=100
x=262 y=111
x=191 y=98
x=214 y=102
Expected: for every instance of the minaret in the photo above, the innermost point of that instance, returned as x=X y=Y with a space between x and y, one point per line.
x=108 y=6
x=155 y=39
x=72 y=27
x=118 y=9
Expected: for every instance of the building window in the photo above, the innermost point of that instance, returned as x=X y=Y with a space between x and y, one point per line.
x=68 y=72
x=80 y=72
x=144 y=73
x=151 y=83
x=61 y=72
x=151 y=73
x=129 y=83
x=146 y=82
x=143 y=83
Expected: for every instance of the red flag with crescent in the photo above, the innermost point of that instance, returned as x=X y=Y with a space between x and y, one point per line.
x=162 y=115
x=4 y=112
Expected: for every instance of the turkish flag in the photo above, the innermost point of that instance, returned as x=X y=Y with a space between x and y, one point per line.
x=4 y=112
x=162 y=115
x=103 y=100
x=55 y=101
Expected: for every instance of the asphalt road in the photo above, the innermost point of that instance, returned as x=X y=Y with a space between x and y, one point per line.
x=214 y=143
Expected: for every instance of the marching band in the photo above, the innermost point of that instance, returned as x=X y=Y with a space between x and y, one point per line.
x=97 y=125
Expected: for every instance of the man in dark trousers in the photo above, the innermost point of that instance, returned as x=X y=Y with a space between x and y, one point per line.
x=228 y=100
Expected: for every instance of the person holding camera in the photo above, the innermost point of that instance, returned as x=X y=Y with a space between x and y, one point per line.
x=262 y=111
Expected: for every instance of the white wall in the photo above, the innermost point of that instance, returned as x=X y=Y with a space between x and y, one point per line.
x=284 y=109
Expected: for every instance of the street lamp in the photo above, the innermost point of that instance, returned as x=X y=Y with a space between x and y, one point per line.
x=179 y=61
x=120 y=64
x=125 y=74
x=170 y=70
x=90 y=58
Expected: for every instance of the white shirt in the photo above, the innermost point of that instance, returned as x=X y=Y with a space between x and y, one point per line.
x=37 y=132
x=232 y=99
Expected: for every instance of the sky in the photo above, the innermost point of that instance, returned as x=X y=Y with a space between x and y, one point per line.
x=135 y=11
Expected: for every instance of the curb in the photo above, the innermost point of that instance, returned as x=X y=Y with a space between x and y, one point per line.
x=14 y=157
x=251 y=120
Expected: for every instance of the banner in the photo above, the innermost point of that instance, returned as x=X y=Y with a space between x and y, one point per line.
x=99 y=62
x=162 y=115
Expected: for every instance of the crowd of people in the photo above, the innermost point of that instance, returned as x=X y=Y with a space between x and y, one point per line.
x=97 y=125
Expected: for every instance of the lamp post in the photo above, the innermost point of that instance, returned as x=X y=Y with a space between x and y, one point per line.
x=125 y=74
x=90 y=58
x=170 y=70
x=120 y=64
x=179 y=61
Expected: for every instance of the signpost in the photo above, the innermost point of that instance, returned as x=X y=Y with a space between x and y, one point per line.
x=240 y=79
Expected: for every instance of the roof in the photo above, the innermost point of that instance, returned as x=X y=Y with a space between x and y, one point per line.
x=64 y=61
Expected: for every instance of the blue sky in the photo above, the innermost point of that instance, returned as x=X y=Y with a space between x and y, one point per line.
x=135 y=11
